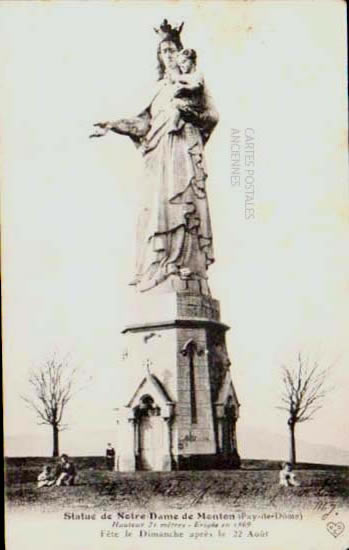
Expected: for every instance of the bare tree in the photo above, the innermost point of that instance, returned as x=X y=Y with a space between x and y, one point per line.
x=52 y=387
x=304 y=388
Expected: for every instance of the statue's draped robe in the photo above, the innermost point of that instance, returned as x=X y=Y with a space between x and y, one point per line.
x=174 y=236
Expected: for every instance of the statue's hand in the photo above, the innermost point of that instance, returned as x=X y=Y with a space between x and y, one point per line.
x=188 y=114
x=177 y=89
x=101 y=129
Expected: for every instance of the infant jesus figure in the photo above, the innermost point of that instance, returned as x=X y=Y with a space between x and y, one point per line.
x=188 y=99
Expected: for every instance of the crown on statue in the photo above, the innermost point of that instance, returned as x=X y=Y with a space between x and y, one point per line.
x=167 y=32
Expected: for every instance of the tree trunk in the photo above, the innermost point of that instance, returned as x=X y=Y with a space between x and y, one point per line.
x=292 y=455
x=55 y=440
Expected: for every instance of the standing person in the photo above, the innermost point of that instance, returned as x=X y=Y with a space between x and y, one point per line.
x=110 y=457
x=66 y=472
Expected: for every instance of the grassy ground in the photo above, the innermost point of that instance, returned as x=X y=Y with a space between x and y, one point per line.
x=255 y=484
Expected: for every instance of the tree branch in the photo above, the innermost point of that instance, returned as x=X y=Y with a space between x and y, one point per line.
x=52 y=387
x=304 y=389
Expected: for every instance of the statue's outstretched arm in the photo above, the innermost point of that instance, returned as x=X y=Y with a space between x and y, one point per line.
x=136 y=128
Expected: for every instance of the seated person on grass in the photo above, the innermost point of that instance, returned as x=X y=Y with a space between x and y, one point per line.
x=66 y=472
x=46 y=478
x=287 y=476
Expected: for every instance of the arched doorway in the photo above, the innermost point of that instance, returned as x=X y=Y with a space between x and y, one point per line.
x=146 y=424
x=151 y=435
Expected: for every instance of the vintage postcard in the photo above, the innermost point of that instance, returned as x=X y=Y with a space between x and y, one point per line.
x=175 y=296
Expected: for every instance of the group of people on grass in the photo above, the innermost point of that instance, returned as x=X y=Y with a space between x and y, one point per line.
x=63 y=474
x=65 y=471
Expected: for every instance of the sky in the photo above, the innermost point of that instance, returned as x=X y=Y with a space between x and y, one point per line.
x=69 y=204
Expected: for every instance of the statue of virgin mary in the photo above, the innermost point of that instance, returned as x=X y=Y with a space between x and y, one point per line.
x=174 y=235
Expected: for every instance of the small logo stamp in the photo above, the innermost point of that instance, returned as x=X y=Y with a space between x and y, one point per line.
x=335 y=528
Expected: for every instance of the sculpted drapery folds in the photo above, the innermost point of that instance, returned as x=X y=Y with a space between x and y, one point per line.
x=174 y=236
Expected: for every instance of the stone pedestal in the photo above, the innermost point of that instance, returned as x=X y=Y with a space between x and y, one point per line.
x=183 y=412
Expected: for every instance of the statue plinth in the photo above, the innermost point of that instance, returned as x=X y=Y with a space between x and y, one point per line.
x=182 y=415
x=147 y=309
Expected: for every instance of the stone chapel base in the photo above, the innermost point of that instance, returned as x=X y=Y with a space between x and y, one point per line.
x=182 y=412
